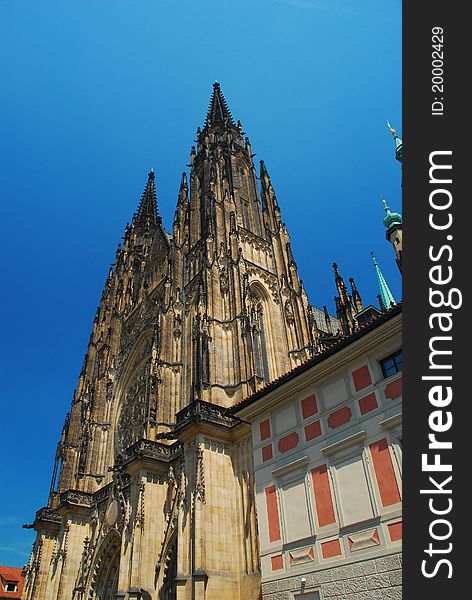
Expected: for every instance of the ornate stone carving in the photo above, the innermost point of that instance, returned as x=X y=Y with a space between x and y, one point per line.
x=224 y=280
x=134 y=409
x=199 y=491
x=217 y=445
x=268 y=278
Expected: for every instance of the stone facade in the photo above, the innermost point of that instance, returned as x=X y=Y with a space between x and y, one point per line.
x=152 y=494
x=153 y=490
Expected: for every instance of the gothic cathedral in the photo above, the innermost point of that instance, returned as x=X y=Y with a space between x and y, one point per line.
x=153 y=492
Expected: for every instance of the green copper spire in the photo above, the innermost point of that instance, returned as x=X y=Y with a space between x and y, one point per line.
x=391 y=218
x=385 y=293
x=398 y=143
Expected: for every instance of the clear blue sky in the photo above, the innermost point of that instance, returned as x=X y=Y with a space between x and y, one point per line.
x=93 y=93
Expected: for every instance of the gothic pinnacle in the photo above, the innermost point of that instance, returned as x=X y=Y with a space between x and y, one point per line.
x=356 y=297
x=146 y=215
x=218 y=110
x=183 y=191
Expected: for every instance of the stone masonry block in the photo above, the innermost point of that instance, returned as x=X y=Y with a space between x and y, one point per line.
x=388 y=563
x=356 y=585
x=364 y=568
x=281 y=596
x=319 y=577
x=344 y=572
x=285 y=584
x=269 y=587
x=333 y=589
x=377 y=581
x=295 y=582
x=367 y=595
x=396 y=577
x=393 y=593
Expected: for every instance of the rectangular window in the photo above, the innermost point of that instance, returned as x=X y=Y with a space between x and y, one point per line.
x=392 y=364
x=10 y=586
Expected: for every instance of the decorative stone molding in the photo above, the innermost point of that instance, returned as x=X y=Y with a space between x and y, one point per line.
x=352 y=440
x=300 y=463
x=392 y=422
x=150 y=449
x=76 y=498
x=102 y=494
x=217 y=446
x=204 y=411
x=255 y=241
x=268 y=278
x=301 y=556
x=363 y=539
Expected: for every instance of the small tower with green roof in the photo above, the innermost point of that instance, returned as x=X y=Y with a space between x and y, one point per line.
x=398 y=143
x=394 y=234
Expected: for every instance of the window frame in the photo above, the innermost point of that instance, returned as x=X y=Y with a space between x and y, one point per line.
x=397 y=365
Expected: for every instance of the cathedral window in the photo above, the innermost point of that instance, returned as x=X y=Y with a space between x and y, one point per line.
x=392 y=364
x=259 y=335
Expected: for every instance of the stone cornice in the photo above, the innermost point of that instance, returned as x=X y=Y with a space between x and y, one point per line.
x=46 y=519
x=210 y=419
x=149 y=449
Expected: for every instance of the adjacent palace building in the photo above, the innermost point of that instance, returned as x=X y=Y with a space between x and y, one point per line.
x=227 y=440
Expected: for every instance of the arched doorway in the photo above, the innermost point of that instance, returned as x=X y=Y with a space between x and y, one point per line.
x=106 y=569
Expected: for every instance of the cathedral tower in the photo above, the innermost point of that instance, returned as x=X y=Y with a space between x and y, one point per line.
x=152 y=492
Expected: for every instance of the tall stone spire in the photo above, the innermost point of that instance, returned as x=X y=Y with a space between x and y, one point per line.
x=146 y=214
x=385 y=293
x=218 y=110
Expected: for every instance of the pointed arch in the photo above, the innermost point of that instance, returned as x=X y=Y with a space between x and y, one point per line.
x=260 y=330
x=105 y=569
x=132 y=396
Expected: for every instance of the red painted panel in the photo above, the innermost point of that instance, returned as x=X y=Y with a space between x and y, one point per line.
x=340 y=417
x=395 y=531
x=288 y=442
x=331 y=548
x=265 y=429
x=312 y=431
x=361 y=378
x=309 y=406
x=272 y=513
x=267 y=453
x=383 y=467
x=277 y=562
x=323 y=499
x=394 y=389
x=367 y=403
